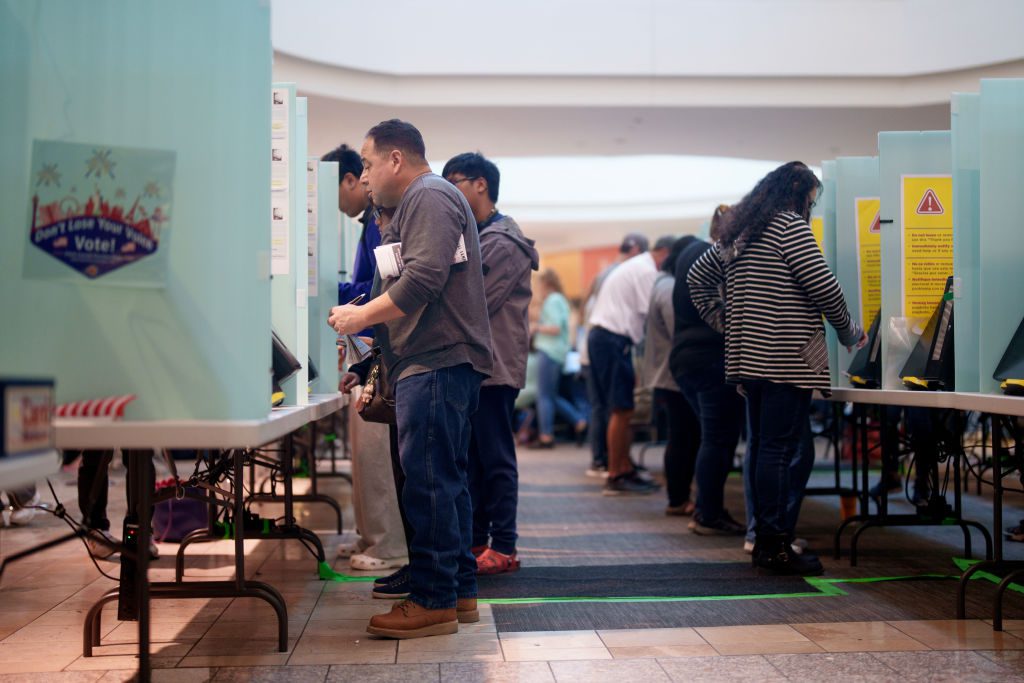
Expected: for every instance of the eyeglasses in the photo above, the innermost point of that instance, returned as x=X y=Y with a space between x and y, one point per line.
x=462 y=180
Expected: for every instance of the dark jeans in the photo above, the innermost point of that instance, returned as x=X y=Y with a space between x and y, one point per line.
x=799 y=473
x=598 y=421
x=721 y=412
x=433 y=410
x=549 y=400
x=681 y=446
x=493 y=472
x=777 y=414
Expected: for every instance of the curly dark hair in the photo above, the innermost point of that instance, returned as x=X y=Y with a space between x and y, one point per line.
x=787 y=188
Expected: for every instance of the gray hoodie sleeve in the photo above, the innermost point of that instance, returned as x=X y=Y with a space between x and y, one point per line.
x=502 y=271
x=430 y=230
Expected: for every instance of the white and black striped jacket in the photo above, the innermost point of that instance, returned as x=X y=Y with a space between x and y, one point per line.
x=775 y=292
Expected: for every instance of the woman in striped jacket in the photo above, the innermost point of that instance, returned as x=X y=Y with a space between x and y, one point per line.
x=765 y=286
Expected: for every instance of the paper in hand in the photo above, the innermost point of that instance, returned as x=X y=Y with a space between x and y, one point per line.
x=356 y=349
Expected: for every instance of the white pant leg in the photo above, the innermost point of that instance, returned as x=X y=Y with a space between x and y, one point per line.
x=373 y=487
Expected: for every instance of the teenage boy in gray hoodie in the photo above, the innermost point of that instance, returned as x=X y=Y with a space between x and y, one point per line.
x=508 y=259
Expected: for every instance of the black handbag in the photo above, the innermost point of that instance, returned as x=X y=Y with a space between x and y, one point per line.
x=381 y=407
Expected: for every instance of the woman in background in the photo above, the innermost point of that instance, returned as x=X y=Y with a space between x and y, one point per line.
x=551 y=341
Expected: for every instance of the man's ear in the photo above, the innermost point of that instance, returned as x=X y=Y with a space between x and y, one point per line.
x=480 y=185
x=397 y=159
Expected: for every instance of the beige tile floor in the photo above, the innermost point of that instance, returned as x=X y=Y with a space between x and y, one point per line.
x=43 y=602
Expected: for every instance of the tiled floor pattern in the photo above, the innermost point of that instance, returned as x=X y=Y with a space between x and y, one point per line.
x=44 y=601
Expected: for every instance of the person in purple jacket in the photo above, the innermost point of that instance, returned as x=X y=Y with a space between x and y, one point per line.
x=355 y=203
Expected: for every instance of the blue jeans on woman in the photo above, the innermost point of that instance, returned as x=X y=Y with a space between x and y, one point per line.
x=777 y=416
x=800 y=473
x=433 y=410
x=549 y=376
x=720 y=409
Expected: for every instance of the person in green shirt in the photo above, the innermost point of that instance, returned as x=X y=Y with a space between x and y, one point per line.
x=551 y=340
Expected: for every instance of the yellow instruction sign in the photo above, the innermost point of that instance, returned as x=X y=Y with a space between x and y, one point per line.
x=818 y=228
x=927 y=241
x=869 y=257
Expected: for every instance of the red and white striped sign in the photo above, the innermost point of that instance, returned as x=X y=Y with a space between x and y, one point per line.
x=111 y=406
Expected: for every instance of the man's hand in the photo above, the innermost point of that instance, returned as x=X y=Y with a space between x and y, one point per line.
x=346 y=319
x=349 y=381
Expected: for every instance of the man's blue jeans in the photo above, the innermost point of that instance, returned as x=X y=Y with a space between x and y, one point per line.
x=720 y=409
x=433 y=412
x=549 y=376
x=777 y=416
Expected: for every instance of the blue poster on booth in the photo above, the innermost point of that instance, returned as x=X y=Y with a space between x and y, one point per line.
x=99 y=213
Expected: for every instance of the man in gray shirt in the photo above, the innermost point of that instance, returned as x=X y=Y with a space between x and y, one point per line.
x=432 y=326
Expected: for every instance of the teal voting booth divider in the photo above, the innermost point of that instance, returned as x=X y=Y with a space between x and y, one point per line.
x=194 y=343
x=901 y=154
x=322 y=339
x=1002 y=221
x=966 y=147
x=826 y=210
x=856 y=183
x=288 y=295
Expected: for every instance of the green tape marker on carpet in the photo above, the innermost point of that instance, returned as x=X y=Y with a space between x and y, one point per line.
x=325 y=573
x=964 y=564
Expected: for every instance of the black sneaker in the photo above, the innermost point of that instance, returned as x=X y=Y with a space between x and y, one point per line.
x=628 y=485
x=396 y=590
x=775 y=556
x=402 y=574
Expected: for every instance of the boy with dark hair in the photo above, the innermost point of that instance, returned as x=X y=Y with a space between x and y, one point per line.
x=508 y=259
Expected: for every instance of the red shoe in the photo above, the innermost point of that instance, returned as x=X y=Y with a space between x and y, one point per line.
x=493 y=562
x=478 y=550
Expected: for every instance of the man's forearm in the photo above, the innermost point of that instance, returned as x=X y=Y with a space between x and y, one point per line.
x=379 y=310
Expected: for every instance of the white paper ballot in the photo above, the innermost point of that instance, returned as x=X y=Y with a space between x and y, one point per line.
x=389 y=258
x=355 y=348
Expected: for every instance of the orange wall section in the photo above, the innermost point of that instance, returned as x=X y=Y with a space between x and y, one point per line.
x=578 y=268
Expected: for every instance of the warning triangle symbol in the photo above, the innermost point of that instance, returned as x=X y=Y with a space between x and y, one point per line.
x=876 y=225
x=930 y=203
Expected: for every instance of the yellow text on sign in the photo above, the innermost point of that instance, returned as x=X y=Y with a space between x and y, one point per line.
x=818 y=228
x=869 y=257
x=927 y=212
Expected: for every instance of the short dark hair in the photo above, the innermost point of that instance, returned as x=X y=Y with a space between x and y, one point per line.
x=348 y=161
x=475 y=165
x=400 y=135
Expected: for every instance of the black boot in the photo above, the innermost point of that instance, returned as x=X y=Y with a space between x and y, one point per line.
x=774 y=555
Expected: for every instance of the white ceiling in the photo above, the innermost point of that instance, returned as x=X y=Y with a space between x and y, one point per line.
x=769 y=80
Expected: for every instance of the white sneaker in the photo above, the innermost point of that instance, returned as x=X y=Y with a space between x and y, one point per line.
x=367 y=563
x=346 y=550
x=102 y=544
x=748 y=547
x=23 y=514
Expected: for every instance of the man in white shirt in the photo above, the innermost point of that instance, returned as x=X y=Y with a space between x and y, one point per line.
x=617 y=323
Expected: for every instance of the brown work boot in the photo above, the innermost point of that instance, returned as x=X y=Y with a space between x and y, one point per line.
x=409 y=620
x=466 y=611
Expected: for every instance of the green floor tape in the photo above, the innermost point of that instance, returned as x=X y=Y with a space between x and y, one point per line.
x=963 y=564
x=327 y=574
